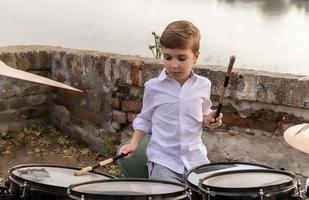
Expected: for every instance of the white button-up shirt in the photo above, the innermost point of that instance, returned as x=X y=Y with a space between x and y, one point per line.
x=174 y=116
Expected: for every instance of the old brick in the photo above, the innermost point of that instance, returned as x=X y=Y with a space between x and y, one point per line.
x=68 y=94
x=87 y=115
x=269 y=126
x=34 y=88
x=136 y=73
x=137 y=92
x=18 y=102
x=131 y=106
x=37 y=99
x=4 y=127
x=9 y=92
x=115 y=103
x=119 y=116
x=60 y=115
x=234 y=120
x=282 y=126
x=131 y=116
x=3 y=105
x=8 y=115
x=33 y=112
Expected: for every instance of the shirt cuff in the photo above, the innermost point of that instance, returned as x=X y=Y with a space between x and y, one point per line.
x=142 y=124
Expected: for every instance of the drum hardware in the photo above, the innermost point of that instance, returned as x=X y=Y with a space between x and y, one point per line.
x=299 y=189
x=261 y=194
x=24 y=190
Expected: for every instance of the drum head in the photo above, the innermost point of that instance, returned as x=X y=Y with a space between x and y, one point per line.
x=51 y=176
x=118 y=188
x=196 y=174
x=248 y=180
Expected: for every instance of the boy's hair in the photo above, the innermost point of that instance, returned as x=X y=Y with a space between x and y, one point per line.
x=181 y=35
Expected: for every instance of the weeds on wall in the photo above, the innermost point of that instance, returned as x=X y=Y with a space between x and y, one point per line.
x=156 y=48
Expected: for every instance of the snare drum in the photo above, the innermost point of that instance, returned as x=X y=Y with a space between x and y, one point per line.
x=128 y=189
x=46 y=182
x=194 y=175
x=254 y=184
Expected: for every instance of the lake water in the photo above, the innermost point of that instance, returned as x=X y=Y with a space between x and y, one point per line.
x=270 y=35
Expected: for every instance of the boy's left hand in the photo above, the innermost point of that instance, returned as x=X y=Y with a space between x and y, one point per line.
x=211 y=122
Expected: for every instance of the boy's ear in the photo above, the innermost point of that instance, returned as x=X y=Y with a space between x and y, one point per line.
x=196 y=55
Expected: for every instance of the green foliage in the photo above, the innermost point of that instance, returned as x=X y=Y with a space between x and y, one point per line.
x=156 y=48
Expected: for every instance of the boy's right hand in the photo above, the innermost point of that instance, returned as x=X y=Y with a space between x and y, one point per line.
x=128 y=149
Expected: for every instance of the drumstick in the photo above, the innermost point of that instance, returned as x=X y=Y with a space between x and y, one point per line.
x=99 y=164
x=226 y=81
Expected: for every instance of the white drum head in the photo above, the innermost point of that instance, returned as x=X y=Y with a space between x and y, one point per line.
x=54 y=176
x=252 y=179
x=195 y=175
x=130 y=188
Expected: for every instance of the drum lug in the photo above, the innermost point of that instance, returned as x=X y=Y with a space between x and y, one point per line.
x=189 y=194
x=24 y=190
x=299 y=189
x=261 y=194
x=82 y=197
x=208 y=194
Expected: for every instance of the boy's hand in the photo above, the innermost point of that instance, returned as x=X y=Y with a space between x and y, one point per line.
x=211 y=122
x=128 y=149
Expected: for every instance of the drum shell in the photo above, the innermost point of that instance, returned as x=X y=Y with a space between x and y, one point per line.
x=195 y=194
x=76 y=195
x=21 y=188
x=282 y=191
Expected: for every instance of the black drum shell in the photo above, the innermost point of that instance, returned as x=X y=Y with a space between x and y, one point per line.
x=283 y=191
x=195 y=194
x=38 y=191
x=179 y=195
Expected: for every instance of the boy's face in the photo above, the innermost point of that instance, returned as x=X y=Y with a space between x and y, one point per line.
x=178 y=63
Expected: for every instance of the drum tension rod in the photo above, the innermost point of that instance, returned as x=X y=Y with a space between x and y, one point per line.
x=261 y=194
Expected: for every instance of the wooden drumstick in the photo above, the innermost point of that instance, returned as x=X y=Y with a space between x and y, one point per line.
x=226 y=81
x=99 y=164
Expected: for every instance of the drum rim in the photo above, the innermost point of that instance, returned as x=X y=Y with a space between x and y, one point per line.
x=42 y=186
x=251 y=189
x=196 y=188
x=76 y=194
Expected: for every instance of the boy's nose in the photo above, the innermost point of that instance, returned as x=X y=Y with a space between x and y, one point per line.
x=174 y=64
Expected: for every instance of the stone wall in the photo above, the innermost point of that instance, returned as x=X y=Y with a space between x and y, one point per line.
x=258 y=106
x=21 y=102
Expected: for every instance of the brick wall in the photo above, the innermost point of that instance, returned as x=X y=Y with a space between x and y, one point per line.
x=113 y=86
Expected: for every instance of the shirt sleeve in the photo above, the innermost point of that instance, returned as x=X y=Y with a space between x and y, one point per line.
x=143 y=120
x=206 y=106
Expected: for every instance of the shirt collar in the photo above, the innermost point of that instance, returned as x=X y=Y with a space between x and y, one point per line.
x=164 y=75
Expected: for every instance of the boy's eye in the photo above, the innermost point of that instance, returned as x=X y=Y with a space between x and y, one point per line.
x=167 y=57
x=182 y=58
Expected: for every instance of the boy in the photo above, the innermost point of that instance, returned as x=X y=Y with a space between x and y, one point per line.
x=175 y=105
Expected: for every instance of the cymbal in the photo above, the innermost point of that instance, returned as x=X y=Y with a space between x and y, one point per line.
x=298 y=137
x=8 y=71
